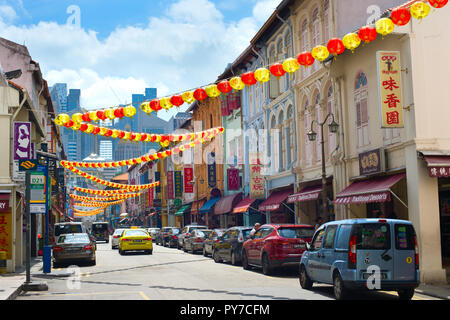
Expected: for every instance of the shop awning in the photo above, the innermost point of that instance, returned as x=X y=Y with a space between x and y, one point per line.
x=372 y=190
x=273 y=202
x=438 y=166
x=196 y=205
x=226 y=204
x=307 y=194
x=208 y=206
x=183 y=210
x=243 y=205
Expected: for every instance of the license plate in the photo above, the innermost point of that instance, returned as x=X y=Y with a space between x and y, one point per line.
x=137 y=240
x=366 y=275
x=299 y=246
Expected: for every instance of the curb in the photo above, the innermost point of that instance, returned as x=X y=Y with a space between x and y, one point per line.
x=434 y=295
x=16 y=292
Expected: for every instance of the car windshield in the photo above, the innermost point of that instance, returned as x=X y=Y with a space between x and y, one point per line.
x=373 y=236
x=246 y=233
x=175 y=231
x=135 y=232
x=296 y=232
x=67 y=228
x=118 y=231
x=100 y=227
x=74 y=238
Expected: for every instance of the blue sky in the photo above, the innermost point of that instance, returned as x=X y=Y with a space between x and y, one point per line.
x=121 y=47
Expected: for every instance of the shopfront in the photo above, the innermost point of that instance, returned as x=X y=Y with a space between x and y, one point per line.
x=206 y=216
x=224 y=208
x=278 y=210
x=192 y=215
x=248 y=208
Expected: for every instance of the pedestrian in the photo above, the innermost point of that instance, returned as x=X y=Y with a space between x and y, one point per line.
x=255 y=228
x=319 y=222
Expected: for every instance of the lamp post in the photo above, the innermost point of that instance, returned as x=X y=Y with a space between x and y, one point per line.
x=333 y=127
x=193 y=184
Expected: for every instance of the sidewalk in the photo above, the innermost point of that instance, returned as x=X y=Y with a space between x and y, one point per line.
x=436 y=291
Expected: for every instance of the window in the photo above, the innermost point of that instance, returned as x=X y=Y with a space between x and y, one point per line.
x=316 y=39
x=404 y=237
x=274 y=84
x=362 y=117
x=373 y=236
x=74 y=238
x=305 y=44
x=282 y=141
x=329 y=237
x=290 y=136
x=296 y=233
x=317 y=241
x=281 y=55
x=343 y=236
x=326 y=20
x=318 y=118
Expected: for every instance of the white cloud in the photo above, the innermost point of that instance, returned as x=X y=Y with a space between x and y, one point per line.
x=7 y=13
x=264 y=9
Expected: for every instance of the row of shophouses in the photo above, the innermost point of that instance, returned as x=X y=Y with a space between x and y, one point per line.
x=27 y=132
x=267 y=168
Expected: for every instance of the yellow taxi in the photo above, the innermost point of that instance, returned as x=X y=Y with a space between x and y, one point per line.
x=135 y=240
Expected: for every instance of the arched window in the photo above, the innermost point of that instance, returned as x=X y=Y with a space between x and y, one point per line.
x=330 y=108
x=274 y=84
x=318 y=118
x=362 y=116
x=274 y=143
x=305 y=44
x=290 y=136
x=326 y=20
x=316 y=39
x=281 y=56
x=307 y=127
x=282 y=141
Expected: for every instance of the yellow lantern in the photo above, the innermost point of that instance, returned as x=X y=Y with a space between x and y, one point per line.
x=384 y=26
x=262 y=75
x=420 y=10
x=103 y=131
x=165 y=103
x=188 y=97
x=109 y=113
x=127 y=135
x=129 y=111
x=90 y=128
x=351 y=41
x=138 y=137
x=320 y=53
x=115 y=133
x=76 y=126
x=165 y=143
x=291 y=65
x=77 y=117
x=62 y=119
x=146 y=107
x=93 y=116
x=236 y=83
x=212 y=91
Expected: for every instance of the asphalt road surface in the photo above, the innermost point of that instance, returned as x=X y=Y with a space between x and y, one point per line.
x=171 y=274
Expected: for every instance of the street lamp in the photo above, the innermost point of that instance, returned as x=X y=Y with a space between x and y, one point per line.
x=193 y=184
x=333 y=127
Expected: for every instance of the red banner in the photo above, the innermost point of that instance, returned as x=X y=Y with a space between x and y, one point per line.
x=188 y=177
x=170 y=189
x=150 y=195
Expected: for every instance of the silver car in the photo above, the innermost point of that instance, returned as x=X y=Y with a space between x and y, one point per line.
x=73 y=247
x=115 y=238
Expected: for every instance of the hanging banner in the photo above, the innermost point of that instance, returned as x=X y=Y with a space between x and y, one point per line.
x=178 y=182
x=212 y=176
x=150 y=196
x=188 y=177
x=170 y=191
x=233 y=179
x=22 y=140
x=390 y=89
x=257 y=190
x=6 y=233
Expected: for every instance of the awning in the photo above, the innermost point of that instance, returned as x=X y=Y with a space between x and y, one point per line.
x=196 y=205
x=243 y=205
x=226 y=204
x=183 y=210
x=438 y=166
x=307 y=194
x=207 y=207
x=372 y=190
x=273 y=202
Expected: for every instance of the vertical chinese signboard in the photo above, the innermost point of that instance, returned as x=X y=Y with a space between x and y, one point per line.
x=178 y=181
x=233 y=179
x=256 y=178
x=212 y=170
x=170 y=194
x=6 y=233
x=390 y=89
x=188 y=177
x=22 y=140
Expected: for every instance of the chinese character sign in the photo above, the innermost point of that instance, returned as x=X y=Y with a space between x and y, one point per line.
x=22 y=140
x=178 y=181
x=390 y=89
x=256 y=178
x=233 y=179
x=212 y=170
x=188 y=177
x=6 y=233
x=170 y=191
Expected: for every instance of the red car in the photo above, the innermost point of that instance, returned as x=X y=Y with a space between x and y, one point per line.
x=276 y=245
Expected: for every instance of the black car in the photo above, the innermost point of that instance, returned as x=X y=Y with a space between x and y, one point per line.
x=229 y=245
x=100 y=230
x=208 y=243
x=163 y=238
x=170 y=237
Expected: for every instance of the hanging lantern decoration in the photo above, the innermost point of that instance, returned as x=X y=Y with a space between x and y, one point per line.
x=77 y=117
x=165 y=103
x=69 y=123
x=188 y=97
x=438 y=3
x=305 y=59
x=101 y=115
x=115 y=133
x=400 y=16
x=320 y=53
x=146 y=107
x=83 y=127
x=212 y=91
x=90 y=128
x=103 y=131
x=129 y=111
x=224 y=86
x=420 y=10
x=200 y=94
x=367 y=34
x=249 y=78
x=108 y=133
x=262 y=75
x=85 y=117
x=93 y=116
x=62 y=119
x=155 y=105
x=351 y=41
x=76 y=126
x=236 y=83
x=121 y=134
x=291 y=65
x=335 y=46
x=277 y=70
x=119 y=113
x=384 y=26
x=177 y=100
x=96 y=130
x=109 y=113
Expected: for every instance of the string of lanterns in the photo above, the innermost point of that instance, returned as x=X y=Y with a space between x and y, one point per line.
x=117 y=197
x=398 y=17
x=100 y=192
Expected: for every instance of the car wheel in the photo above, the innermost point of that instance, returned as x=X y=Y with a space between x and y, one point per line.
x=150 y=251
x=405 y=294
x=340 y=292
x=234 y=260
x=93 y=262
x=245 y=264
x=204 y=252
x=305 y=281
x=216 y=257
x=121 y=252
x=266 y=266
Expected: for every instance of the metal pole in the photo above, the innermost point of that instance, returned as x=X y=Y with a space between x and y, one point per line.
x=324 y=177
x=28 y=227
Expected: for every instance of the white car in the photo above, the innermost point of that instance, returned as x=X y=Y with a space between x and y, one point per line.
x=115 y=238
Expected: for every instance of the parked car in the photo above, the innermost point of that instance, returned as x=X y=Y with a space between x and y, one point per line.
x=153 y=232
x=72 y=248
x=100 y=230
x=209 y=241
x=115 y=238
x=194 y=242
x=166 y=235
x=187 y=231
x=66 y=228
x=135 y=240
x=172 y=238
x=229 y=245
x=276 y=245
x=346 y=253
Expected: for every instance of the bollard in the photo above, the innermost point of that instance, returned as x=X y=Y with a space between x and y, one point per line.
x=3 y=262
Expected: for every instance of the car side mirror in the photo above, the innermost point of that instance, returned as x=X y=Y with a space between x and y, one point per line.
x=308 y=246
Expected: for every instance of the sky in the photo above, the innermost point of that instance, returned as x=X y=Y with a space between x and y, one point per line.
x=111 y=49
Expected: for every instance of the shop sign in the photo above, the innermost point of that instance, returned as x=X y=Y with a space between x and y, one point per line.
x=4 y=201
x=212 y=177
x=178 y=183
x=439 y=172
x=233 y=179
x=390 y=89
x=170 y=191
x=22 y=140
x=371 y=162
x=257 y=190
x=188 y=177
x=6 y=233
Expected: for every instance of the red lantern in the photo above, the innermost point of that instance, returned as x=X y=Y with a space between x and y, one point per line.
x=367 y=34
x=200 y=94
x=69 y=123
x=305 y=58
x=277 y=70
x=95 y=130
x=438 y=3
x=335 y=46
x=224 y=86
x=400 y=16
x=249 y=78
x=121 y=134
x=155 y=105
x=119 y=112
x=143 y=137
x=177 y=100
x=85 y=117
x=83 y=127
x=101 y=115
x=132 y=136
x=108 y=133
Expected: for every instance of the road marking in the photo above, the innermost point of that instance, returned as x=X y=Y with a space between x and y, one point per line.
x=143 y=295
x=413 y=298
x=85 y=293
